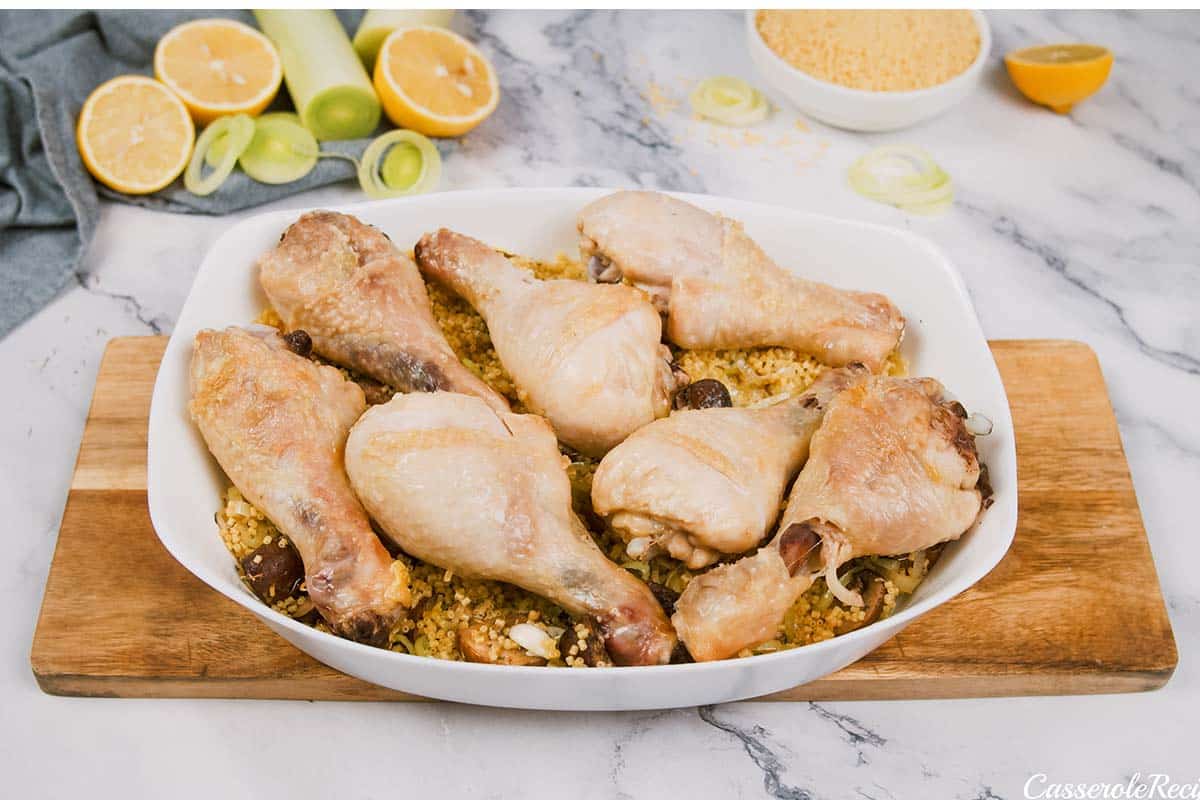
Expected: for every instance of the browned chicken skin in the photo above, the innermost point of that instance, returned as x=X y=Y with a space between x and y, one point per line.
x=892 y=469
x=364 y=304
x=485 y=494
x=720 y=290
x=277 y=425
x=702 y=483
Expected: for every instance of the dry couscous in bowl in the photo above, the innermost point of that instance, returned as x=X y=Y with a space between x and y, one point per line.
x=943 y=339
x=837 y=85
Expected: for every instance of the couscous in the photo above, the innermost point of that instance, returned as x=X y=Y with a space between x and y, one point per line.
x=880 y=51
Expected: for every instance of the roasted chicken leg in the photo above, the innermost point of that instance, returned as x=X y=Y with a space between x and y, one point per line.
x=720 y=290
x=589 y=358
x=485 y=494
x=705 y=482
x=892 y=469
x=277 y=424
x=364 y=304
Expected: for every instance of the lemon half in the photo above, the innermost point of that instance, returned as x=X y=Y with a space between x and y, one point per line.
x=1059 y=75
x=435 y=82
x=218 y=67
x=134 y=135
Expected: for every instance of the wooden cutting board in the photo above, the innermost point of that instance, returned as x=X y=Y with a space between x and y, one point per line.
x=1073 y=608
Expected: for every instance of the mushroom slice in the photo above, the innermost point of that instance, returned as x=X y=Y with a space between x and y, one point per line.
x=873 y=590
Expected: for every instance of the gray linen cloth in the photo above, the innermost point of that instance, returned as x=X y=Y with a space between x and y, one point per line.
x=50 y=61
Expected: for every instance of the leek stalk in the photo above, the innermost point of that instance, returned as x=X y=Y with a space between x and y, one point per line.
x=324 y=76
x=377 y=23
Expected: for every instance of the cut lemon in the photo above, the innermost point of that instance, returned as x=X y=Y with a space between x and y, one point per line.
x=435 y=82
x=1059 y=75
x=218 y=67
x=134 y=135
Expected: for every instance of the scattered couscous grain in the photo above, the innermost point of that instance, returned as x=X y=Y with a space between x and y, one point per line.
x=660 y=98
x=880 y=51
x=451 y=611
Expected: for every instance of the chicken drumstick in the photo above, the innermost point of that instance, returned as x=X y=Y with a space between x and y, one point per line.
x=364 y=304
x=485 y=494
x=709 y=481
x=720 y=290
x=892 y=469
x=277 y=425
x=589 y=358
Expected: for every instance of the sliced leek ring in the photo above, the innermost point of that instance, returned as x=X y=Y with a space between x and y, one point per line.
x=399 y=163
x=237 y=131
x=281 y=151
x=217 y=151
x=905 y=177
x=402 y=165
x=730 y=101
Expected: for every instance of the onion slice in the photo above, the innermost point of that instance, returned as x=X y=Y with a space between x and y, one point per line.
x=730 y=101
x=905 y=177
x=236 y=131
x=832 y=552
x=399 y=163
x=978 y=425
x=533 y=640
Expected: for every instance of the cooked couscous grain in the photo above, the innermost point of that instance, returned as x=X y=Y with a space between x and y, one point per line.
x=880 y=51
x=451 y=613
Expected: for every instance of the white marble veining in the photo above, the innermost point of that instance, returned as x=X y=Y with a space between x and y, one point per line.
x=1085 y=227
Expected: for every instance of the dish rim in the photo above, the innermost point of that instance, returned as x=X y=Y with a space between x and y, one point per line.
x=888 y=627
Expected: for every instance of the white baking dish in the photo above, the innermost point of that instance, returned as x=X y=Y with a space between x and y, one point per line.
x=943 y=340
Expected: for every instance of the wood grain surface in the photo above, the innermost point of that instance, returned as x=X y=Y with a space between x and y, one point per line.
x=120 y=618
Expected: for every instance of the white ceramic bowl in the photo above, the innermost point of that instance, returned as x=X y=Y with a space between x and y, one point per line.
x=943 y=339
x=857 y=109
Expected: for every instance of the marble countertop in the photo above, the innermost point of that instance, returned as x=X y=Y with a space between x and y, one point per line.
x=1084 y=227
